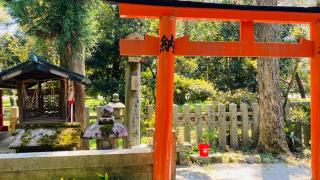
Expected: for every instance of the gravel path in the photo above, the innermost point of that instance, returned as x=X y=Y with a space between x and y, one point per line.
x=243 y=172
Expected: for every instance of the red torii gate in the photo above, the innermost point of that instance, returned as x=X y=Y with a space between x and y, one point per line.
x=166 y=46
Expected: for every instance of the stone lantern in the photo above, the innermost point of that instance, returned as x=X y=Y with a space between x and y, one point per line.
x=106 y=130
x=118 y=108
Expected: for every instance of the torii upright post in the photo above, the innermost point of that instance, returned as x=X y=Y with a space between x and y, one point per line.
x=163 y=121
x=315 y=101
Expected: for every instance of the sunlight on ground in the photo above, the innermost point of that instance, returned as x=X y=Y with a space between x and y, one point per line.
x=244 y=171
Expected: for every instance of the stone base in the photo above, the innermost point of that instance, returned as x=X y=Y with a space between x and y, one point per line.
x=201 y=160
x=107 y=143
x=4 y=135
x=126 y=164
x=35 y=139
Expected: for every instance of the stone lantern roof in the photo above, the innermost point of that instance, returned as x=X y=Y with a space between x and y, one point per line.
x=116 y=104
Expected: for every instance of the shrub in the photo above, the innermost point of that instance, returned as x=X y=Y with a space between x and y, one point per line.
x=238 y=96
x=192 y=90
x=299 y=113
x=297 y=116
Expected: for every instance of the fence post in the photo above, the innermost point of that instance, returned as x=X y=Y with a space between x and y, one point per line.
x=150 y=112
x=245 y=123
x=210 y=121
x=14 y=115
x=255 y=118
x=222 y=125
x=306 y=134
x=175 y=123
x=234 y=125
x=99 y=114
x=174 y=155
x=187 y=128
x=175 y=115
x=199 y=122
x=87 y=111
x=85 y=142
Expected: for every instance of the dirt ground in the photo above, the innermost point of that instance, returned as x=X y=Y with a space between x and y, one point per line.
x=244 y=172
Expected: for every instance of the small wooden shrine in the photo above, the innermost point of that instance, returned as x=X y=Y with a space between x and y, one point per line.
x=46 y=105
x=44 y=90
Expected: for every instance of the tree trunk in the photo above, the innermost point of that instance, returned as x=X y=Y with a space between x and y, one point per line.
x=300 y=86
x=271 y=127
x=287 y=92
x=12 y=101
x=74 y=61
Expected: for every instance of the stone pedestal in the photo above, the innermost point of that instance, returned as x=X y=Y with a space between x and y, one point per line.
x=107 y=143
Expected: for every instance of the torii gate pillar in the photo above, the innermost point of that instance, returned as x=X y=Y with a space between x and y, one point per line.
x=315 y=101
x=163 y=121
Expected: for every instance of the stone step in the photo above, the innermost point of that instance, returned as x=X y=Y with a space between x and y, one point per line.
x=4 y=135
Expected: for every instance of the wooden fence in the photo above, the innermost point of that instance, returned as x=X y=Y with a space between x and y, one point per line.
x=214 y=124
x=219 y=125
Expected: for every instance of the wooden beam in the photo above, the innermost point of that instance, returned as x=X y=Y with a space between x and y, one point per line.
x=247 y=48
x=150 y=11
x=184 y=47
x=149 y=46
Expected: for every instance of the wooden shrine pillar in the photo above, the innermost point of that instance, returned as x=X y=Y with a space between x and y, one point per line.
x=133 y=79
x=315 y=102
x=2 y=128
x=164 y=100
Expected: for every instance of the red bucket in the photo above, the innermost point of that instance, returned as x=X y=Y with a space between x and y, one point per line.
x=204 y=150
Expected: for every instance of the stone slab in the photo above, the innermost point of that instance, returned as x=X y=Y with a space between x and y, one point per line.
x=123 y=163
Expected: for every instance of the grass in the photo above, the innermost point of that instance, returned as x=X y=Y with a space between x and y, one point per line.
x=93 y=144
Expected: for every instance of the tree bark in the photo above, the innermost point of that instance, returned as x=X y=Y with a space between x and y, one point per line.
x=73 y=60
x=271 y=127
x=300 y=86
x=12 y=101
x=287 y=92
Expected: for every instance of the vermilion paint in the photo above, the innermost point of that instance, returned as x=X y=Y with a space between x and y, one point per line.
x=315 y=102
x=163 y=122
x=188 y=13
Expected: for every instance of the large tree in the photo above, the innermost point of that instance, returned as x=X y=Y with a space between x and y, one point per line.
x=271 y=126
x=70 y=25
x=106 y=68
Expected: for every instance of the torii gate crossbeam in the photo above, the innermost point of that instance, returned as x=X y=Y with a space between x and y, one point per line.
x=166 y=47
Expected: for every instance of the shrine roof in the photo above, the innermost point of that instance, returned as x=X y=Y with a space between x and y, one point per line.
x=37 y=68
